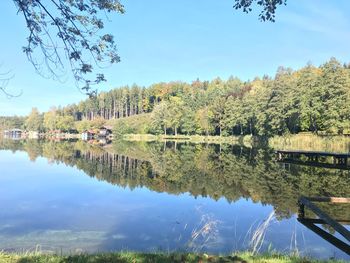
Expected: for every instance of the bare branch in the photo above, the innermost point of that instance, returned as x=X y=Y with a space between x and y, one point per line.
x=4 y=80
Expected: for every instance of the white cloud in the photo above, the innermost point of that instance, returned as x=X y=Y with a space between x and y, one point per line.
x=326 y=19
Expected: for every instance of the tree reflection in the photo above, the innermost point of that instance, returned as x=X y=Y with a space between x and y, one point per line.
x=230 y=172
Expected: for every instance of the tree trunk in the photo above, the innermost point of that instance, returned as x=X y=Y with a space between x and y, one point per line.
x=114 y=110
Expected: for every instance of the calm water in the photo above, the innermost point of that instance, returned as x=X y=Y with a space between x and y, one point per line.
x=72 y=196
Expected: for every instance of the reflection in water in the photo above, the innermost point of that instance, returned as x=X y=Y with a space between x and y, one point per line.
x=325 y=219
x=218 y=172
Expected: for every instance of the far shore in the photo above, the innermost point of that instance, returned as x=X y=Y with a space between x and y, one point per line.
x=301 y=141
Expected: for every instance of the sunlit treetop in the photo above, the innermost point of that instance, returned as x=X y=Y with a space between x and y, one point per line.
x=71 y=30
x=268 y=7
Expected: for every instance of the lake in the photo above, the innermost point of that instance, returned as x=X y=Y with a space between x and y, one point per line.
x=72 y=196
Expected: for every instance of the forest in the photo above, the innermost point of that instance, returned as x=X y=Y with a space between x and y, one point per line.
x=310 y=99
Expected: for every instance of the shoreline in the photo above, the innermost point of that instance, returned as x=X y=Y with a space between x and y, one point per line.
x=301 y=141
x=161 y=257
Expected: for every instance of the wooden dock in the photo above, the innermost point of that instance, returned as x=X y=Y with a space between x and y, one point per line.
x=323 y=218
x=315 y=158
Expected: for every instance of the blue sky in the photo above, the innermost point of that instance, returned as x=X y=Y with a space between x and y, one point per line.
x=185 y=40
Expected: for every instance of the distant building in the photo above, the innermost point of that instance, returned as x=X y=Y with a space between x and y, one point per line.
x=13 y=133
x=88 y=135
x=105 y=131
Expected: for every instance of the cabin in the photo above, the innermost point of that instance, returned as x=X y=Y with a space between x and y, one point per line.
x=105 y=131
x=88 y=135
x=13 y=133
x=104 y=141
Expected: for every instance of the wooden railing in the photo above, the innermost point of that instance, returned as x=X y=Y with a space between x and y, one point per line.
x=323 y=218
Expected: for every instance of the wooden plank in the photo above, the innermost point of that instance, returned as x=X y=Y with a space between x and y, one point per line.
x=337 y=227
x=315 y=164
x=325 y=235
x=337 y=200
x=318 y=153
x=320 y=221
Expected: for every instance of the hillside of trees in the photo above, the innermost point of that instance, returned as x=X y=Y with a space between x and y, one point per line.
x=311 y=99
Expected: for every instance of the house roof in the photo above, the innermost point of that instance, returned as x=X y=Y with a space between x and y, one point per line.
x=108 y=127
x=89 y=131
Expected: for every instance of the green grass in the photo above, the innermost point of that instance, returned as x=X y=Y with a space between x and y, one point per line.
x=244 y=140
x=311 y=142
x=302 y=141
x=131 y=257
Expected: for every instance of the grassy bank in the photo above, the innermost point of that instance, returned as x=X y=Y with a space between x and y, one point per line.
x=311 y=142
x=130 y=257
x=302 y=141
x=246 y=140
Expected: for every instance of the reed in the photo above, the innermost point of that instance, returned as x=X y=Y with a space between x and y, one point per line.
x=311 y=142
x=258 y=237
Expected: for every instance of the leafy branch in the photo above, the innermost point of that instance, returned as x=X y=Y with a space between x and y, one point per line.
x=268 y=7
x=70 y=29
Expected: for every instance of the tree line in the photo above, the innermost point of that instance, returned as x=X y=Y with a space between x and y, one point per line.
x=311 y=99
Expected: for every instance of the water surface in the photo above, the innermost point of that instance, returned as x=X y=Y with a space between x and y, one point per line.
x=73 y=196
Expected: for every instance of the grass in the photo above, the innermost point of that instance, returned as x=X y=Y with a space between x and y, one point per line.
x=311 y=142
x=244 y=140
x=301 y=141
x=132 y=257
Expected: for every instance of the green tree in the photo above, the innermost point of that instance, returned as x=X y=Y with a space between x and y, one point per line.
x=121 y=128
x=203 y=121
x=216 y=113
x=161 y=117
x=311 y=94
x=188 y=122
x=50 y=120
x=97 y=123
x=12 y=122
x=83 y=125
x=335 y=82
x=65 y=123
x=176 y=113
x=34 y=122
x=234 y=115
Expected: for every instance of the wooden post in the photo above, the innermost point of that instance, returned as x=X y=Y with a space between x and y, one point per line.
x=338 y=200
x=325 y=235
x=330 y=221
x=301 y=210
